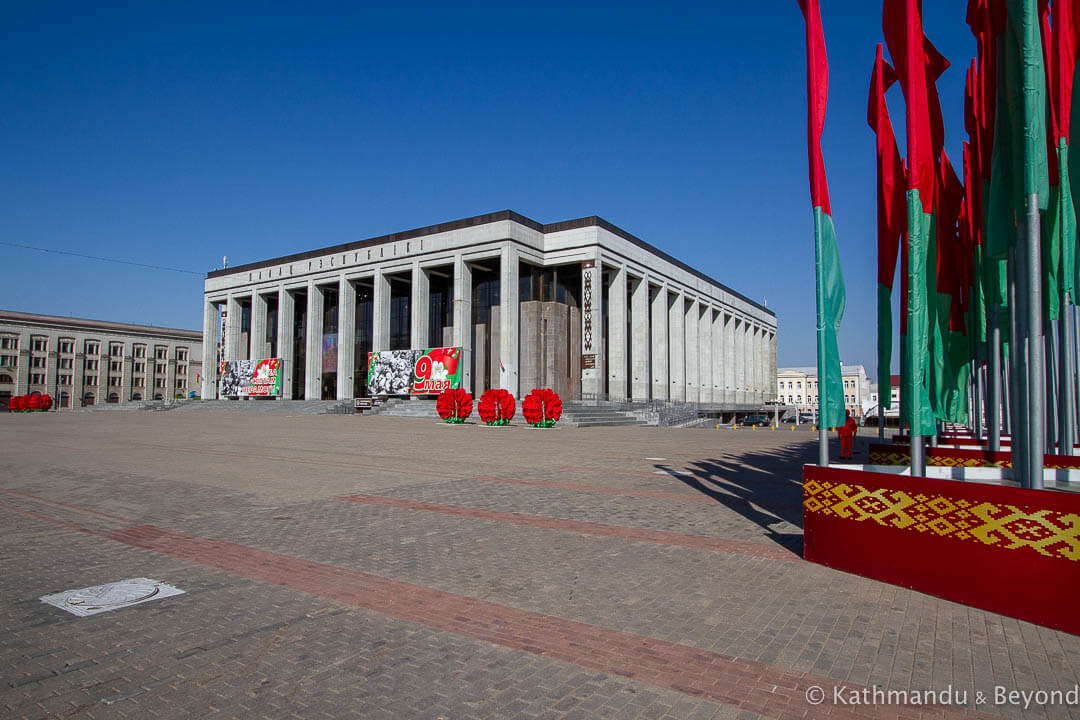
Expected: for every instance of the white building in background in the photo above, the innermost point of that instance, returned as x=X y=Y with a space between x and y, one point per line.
x=85 y=362
x=579 y=306
x=798 y=387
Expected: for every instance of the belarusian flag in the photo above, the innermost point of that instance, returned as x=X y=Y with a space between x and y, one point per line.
x=1060 y=232
x=891 y=217
x=914 y=59
x=830 y=279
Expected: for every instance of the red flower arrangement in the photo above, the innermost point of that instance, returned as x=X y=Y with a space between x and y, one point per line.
x=30 y=403
x=542 y=408
x=496 y=407
x=454 y=405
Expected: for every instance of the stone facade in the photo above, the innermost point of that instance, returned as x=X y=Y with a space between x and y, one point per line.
x=84 y=362
x=580 y=306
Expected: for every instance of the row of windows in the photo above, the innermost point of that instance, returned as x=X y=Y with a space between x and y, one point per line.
x=92 y=347
x=91 y=380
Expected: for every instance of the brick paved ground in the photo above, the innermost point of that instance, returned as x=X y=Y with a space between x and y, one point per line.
x=398 y=568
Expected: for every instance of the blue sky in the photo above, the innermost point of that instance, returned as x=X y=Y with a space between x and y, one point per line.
x=175 y=136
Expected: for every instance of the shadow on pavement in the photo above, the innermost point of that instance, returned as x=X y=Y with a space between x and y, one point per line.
x=764 y=486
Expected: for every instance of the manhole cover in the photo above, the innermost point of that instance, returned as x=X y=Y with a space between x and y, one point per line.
x=110 y=596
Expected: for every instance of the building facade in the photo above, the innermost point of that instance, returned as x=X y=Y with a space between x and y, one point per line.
x=798 y=387
x=580 y=306
x=85 y=362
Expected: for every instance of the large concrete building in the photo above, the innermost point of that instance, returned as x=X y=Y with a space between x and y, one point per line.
x=84 y=362
x=580 y=306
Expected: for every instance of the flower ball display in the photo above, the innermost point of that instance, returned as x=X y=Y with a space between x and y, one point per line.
x=454 y=405
x=542 y=408
x=496 y=407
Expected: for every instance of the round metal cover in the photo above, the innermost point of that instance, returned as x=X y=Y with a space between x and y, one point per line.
x=114 y=594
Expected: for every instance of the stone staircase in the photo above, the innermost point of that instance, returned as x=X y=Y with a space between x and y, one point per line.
x=592 y=414
x=282 y=407
x=407 y=407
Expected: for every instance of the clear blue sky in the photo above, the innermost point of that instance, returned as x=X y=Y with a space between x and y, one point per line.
x=175 y=136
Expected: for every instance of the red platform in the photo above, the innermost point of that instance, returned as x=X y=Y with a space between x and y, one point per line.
x=1008 y=550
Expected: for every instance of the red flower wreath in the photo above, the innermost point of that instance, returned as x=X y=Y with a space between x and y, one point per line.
x=454 y=405
x=496 y=406
x=542 y=408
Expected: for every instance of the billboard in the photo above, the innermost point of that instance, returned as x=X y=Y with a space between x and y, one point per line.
x=414 y=372
x=250 y=378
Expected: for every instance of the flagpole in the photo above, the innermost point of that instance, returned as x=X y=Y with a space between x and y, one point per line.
x=1017 y=378
x=994 y=405
x=1065 y=373
x=1036 y=415
x=819 y=259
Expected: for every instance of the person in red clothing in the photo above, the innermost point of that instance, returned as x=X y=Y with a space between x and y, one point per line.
x=847 y=436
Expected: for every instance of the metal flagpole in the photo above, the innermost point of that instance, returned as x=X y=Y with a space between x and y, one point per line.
x=1036 y=370
x=1016 y=365
x=1066 y=363
x=1050 y=395
x=976 y=393
x=993 y=416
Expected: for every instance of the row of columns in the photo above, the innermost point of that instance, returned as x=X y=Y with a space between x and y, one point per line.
x=698 y=352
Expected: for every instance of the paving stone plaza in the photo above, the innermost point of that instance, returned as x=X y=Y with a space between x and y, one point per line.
x=382 y=567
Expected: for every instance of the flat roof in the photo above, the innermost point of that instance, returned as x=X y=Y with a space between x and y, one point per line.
x=504 y=215
x=87 y=324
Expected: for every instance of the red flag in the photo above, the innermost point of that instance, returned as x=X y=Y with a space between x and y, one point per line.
x=918 y=64
x=891 y=182
x=949 y=257
x=1061 y=65
x=987 y=22
x=817 y=96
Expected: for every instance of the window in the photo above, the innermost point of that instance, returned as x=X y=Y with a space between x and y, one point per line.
x=9 y=360
x=90 y=380
x=37 y=362
x=159 y=382
x=63 y=380
x=114 y=381
x=67 y=346
x=39 y=344
x=92 y=364
x=139 y=367
x=179 y=383
x=9 y=342
x=66 y=363
x=6 y=379
x=139 y=382
x=92 y=347
x=181 y=354
x=139 y=351
x=116 y=349
x=116 y=366
x=160 y=369
x=37 y=378
x=161 y=353
x=181 y=369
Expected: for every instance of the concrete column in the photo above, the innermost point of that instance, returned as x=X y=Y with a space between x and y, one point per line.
x=719 y=365
x=258 y=327
x=693 y=369
x=78 y=372
x=509 y=319
x=209 y=353
x=126 y=388
x=346 y=358
x=420 y=304
x=592 y=317
x=616 y=351
x=772 y=364
x=677 y=347
x=739 y=384
x=380 y=312
x=286 y=321
x=705 y=354
x=758 y=363
x=463 y=317
x=660 y=345
x=232 y=328
x=639 y=340
x=313 y=376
